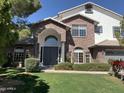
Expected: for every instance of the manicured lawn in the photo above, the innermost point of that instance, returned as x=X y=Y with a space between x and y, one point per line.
x=80 y=83
x=59 y=83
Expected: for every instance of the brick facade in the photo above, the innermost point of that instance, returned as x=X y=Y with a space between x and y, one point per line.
x=83 y=42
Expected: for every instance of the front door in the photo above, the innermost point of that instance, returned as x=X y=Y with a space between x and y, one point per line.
x=49 y=55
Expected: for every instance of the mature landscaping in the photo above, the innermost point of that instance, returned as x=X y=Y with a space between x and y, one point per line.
x=83 y=67
x=30 y=78
x=16 y=80
x=58 y=83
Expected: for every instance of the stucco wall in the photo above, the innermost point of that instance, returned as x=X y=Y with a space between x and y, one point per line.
x=107 y=22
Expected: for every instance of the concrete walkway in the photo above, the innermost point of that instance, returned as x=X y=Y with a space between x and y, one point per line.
x=76 y=72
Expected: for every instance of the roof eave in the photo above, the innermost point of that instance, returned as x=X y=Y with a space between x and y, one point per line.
x=92 y=4
x=95 y=22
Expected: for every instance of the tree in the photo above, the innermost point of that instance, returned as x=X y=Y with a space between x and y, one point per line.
x=8 y=29
x=118 y=34
x=24 y=33
x=24 y=8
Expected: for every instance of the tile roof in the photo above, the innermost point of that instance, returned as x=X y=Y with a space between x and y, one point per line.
x=27 y=41
x=108 y=43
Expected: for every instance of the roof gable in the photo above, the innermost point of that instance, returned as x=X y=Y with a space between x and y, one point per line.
x=95 y=22
x=49 y=20
x=81 y=7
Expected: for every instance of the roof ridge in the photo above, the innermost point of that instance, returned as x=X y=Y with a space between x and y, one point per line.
x=79 y=15
x=89 y=2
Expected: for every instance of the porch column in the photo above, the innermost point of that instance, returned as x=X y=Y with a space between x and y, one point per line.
x=39 y=51
x=62 y=52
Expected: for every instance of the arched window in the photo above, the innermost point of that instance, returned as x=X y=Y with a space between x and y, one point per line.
x=78 y=55
x=51 y=41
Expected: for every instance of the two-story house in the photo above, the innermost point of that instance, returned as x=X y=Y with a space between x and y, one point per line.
x=82 y=34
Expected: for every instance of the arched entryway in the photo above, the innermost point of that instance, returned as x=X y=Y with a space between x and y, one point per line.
x=50 y=51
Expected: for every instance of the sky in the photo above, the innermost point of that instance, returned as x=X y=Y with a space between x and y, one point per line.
x=50 y=8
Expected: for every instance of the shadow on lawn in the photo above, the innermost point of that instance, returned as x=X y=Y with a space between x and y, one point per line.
x=23 y=83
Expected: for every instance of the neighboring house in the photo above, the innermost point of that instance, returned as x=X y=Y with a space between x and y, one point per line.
x=83 y=34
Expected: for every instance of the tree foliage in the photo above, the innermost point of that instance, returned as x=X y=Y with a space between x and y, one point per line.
x=118 y=34
x=8 y=30
x=7 y=34
x=24 y=8
x=24 y=33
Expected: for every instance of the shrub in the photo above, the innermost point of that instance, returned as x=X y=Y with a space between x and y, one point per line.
x=64 y=66
x=110 y=61
x=32 y=65
x=92 y=67
x=2 y=70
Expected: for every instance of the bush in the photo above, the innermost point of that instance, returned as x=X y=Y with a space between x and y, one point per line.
x=64 y=66
x=32 y=65
x=2 y=70
x=110 y=61
x=92 y=67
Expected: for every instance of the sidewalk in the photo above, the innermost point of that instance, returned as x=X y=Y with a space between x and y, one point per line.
x=76 y=72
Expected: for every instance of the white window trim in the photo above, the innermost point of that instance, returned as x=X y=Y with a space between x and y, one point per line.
x=89 y=56
x=81 y=51
x=121 y=36
x=78 y=30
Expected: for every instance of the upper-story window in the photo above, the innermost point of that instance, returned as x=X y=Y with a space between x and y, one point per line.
x=88 y=9
x=117 y=29
x=98 y=29
x=79 y=30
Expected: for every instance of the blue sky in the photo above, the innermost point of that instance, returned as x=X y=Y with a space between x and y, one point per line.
x=52 y=7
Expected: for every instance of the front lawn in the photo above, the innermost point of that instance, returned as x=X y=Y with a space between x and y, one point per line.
x=80 y=83
x=58 y=83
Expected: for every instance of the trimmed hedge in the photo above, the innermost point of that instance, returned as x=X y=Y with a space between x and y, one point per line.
x=92 y=67
x=32 y=65
x=83 y=67
x=64 y=66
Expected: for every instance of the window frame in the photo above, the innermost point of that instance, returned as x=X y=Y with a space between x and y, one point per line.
x=88 y=53
x=120 y=31
x=19 y=54
x=79 y=30
x=78 y=52
x=100 y=28
x=89 y=9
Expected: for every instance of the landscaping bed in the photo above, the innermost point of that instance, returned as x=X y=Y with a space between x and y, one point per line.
x=83 y=67
x=22 y=83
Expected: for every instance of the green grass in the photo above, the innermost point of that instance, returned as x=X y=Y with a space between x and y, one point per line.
x=61 y=83
x=81 y=83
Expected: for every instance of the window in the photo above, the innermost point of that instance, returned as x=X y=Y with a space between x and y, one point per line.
x=79 y=30
x=88 y=9
x=117 y=29
x=51 y=41
x=88 y=57
x=99 y=29
x=78 y=55
x=18 y=55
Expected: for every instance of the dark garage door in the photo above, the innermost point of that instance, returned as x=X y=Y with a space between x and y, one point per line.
x=50 y=55
x=114 y=54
